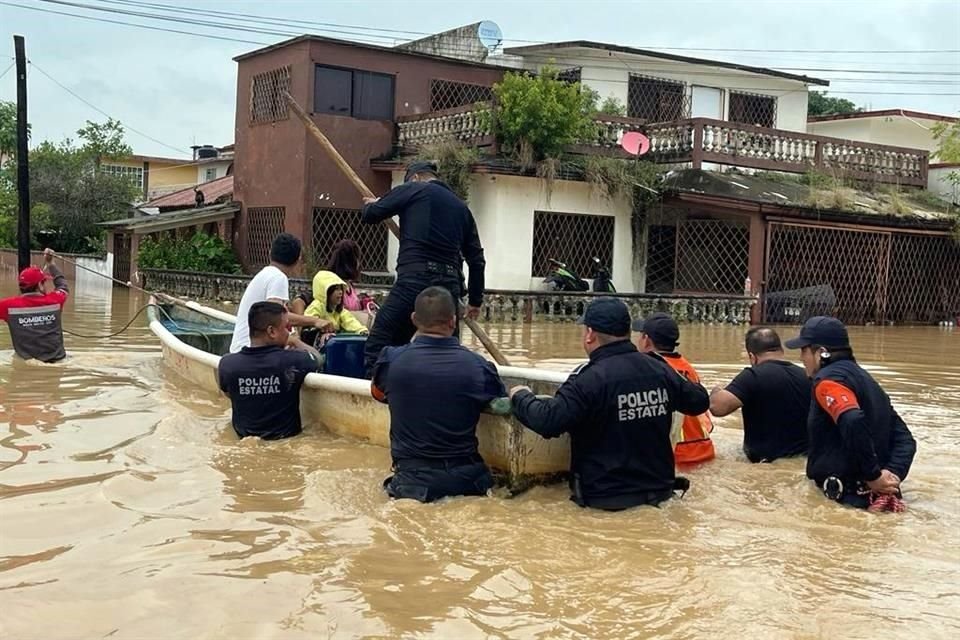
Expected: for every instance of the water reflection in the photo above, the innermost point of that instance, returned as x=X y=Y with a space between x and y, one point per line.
x=124 y=495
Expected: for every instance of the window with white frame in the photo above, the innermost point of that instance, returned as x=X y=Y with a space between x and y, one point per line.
x=210 y=174
x=134 y=174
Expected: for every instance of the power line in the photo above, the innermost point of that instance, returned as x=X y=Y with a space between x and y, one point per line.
x=291 y=21
x=134 y=24
x=7 y=70
x=101 y=111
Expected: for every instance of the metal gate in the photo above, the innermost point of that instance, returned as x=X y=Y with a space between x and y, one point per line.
x=121 y=256
x=860 y=275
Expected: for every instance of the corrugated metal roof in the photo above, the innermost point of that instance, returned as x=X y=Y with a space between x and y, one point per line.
x=187 y=198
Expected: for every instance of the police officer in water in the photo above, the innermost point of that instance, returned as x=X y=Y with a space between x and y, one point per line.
x=618 y=409
x=860 y=447
x=437 y=233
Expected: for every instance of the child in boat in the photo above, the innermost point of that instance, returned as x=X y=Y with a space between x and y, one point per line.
x=328 y=291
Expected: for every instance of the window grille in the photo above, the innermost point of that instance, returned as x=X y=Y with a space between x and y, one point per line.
x=263 y=225
x=121 y=256
x=447 y=94
x=267 y=103
x=712 y=256
x=753 y=108
x=330 y=226
x=573 y=239
x=661 y=258
x=924 y=278
x=656 y=100
x=134 y=174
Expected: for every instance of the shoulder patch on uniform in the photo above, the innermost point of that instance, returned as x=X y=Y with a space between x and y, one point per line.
x=835 y=398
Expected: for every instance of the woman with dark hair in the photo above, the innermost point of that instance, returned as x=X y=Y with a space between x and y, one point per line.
x=345 y=262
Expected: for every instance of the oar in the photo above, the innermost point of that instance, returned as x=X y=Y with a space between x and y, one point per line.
x=365 y=191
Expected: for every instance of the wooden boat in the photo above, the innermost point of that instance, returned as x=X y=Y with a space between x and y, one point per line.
x=194 y=337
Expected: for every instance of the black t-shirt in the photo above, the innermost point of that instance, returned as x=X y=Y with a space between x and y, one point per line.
x=776 y=402
x=264 y=388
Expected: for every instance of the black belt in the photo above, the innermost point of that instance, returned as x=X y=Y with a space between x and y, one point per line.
x=435 y=268
x=411 y=464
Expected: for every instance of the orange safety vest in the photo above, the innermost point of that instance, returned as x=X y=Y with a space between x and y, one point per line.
x=695 y=444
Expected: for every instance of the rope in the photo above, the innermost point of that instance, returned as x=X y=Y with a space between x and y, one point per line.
x=135 y=316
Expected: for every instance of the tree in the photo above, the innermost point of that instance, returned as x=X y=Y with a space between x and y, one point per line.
x=947 y=136
x=8 y=129
x=104 y=141
x=820 y=104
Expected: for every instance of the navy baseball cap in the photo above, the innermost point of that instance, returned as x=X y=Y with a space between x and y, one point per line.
x=661 y=328
x=607 y=315
x=419 y=167
x=822 y=331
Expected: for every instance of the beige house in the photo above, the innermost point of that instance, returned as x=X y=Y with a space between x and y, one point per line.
x=896 y=127
x=158 y=176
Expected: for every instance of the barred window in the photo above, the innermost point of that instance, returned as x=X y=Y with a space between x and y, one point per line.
x=330 y=226
x=656 y=99
x=267 y=103
x=753 y=108
x=712 y=255
x=263 y=225
x=447 y=94
x=573 y=239
x=661 y=258
x=134 y=174
x=571 y=75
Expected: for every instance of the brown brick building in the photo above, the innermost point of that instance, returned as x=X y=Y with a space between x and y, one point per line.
x=354 y=92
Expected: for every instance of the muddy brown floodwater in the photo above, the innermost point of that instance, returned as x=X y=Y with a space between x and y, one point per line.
x=128 y=509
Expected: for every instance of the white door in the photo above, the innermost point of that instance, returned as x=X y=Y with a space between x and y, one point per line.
x=707 y=102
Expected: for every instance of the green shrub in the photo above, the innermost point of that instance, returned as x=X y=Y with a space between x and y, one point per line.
x=202 y=252
x=541 y=115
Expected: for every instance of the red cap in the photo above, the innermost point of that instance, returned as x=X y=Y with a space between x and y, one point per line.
x=32 y=276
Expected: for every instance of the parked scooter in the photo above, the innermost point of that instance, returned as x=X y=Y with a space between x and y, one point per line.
x=602 y=281
x=562 y=278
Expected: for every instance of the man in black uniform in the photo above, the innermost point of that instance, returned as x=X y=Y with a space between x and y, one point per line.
x=436 y=389
x=437 y=232
x=263 y=380
x=618 y=409
x=774 y=395
x=860 y=449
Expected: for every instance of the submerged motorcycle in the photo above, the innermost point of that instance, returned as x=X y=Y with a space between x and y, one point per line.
x=563 y=278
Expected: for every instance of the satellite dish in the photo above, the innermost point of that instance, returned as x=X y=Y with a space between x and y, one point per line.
x=635 y=143
x=490 y=35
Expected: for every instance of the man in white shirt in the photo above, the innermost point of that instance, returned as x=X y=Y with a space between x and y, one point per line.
x=272 y=285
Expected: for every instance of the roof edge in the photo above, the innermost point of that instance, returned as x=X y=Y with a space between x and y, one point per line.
x=880 y=113
x=588 y=44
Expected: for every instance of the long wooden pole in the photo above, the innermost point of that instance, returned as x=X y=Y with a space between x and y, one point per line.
x=365 y=191
x=23 y=164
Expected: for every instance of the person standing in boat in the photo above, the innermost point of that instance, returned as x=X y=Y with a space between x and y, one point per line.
x=264 y=379
x=34 y=315
x=272 y=284
x=618 y=409
x=437 y=233
x=436 y=389
x=860 y=448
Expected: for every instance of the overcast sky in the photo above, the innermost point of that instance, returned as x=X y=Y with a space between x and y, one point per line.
x=180 y=89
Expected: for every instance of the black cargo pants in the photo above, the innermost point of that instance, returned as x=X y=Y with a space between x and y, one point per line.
x=393 y=326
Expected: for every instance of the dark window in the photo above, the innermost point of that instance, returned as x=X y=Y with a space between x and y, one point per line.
x=752 y=108
x=446 y=94
x=656 y=100
x=333 y=91
x=330 y=226
x=372 y=96
x=346 y=92
x=571 y=238
x=570 y=76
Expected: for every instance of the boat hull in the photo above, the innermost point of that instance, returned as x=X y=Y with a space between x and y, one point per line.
x=345 y=407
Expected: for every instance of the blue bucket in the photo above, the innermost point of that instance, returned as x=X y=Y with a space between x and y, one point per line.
x=344 y=356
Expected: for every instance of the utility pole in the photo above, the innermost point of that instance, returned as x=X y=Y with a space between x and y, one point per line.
x=23 y=166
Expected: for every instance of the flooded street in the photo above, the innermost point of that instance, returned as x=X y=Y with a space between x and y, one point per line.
x=128 y=509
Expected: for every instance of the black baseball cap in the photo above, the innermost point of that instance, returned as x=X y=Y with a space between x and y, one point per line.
x=607 y=315
x=823 y=331
x=419 y=167
x=661 y=328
